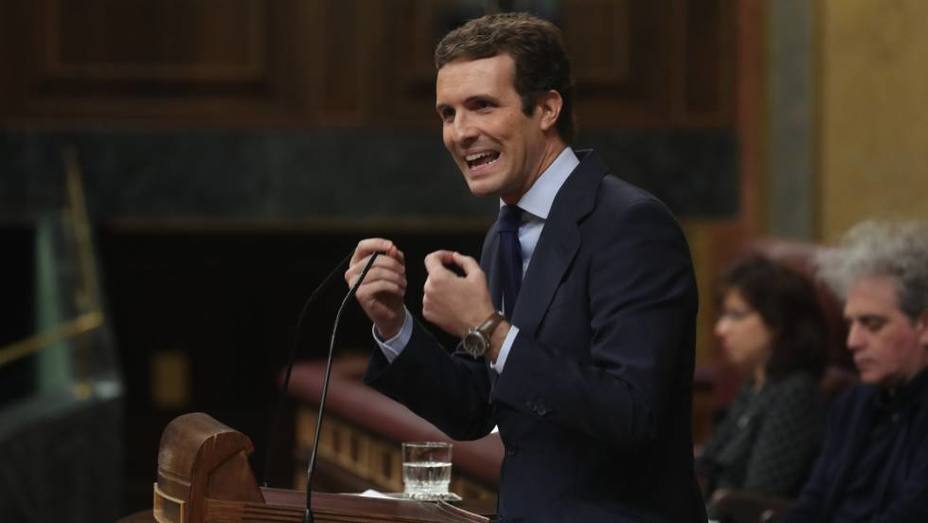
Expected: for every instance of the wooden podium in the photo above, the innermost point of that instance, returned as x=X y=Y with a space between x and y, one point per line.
x=204 y=477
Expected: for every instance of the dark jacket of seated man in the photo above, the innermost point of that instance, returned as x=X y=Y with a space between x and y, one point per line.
x=874 y=465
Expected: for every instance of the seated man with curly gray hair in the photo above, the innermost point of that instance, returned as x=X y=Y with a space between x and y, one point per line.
x=874 y=464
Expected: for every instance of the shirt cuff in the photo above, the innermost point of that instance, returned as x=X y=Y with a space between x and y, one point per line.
x=394 y=346
x=504 y=350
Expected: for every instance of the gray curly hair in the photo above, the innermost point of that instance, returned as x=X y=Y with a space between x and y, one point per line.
x=898 y=250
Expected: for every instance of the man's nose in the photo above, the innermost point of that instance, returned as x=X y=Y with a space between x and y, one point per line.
x=464 y=130
x=855 y=338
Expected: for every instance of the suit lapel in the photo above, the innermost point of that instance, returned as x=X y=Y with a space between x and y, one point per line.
x=559 y=242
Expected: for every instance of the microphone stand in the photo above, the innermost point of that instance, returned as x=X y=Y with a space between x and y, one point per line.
x=308 y=514
x=290 y=360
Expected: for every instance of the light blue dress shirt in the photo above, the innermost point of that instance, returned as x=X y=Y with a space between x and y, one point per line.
x=536 y=204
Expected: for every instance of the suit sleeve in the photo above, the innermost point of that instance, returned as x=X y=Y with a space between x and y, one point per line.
x=641 y=302
x=449 y=390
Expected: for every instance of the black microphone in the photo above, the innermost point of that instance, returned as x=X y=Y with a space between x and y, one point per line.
x=290 y=359
x=308 y=516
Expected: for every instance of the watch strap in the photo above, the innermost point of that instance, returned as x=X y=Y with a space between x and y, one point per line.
x=489 y=325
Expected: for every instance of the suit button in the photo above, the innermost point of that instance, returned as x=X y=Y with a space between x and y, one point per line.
x=511 y=451
x=537 y=407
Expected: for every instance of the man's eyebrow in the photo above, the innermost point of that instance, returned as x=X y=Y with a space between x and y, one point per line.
x=480 y=98
x=866 y=318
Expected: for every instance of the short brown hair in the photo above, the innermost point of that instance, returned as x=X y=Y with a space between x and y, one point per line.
x=535 y=46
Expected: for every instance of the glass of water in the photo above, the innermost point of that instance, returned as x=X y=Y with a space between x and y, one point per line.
x=426 y=469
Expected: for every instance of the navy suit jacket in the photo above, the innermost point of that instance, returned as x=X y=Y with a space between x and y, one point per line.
x=594 y=404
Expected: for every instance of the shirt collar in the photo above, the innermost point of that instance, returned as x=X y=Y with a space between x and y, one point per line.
x=540 y=196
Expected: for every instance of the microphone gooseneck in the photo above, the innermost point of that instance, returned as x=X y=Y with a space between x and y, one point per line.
x=311 y=466
x=290 y=360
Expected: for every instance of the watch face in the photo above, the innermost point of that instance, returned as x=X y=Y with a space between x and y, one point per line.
x=474 y=344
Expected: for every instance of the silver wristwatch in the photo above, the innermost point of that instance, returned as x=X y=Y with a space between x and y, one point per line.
x=477 y=340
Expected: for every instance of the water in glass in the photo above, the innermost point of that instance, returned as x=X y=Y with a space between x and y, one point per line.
x=426 y=469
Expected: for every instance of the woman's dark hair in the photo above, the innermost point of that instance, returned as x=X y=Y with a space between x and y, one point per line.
x=535 y=46
x=789 y=305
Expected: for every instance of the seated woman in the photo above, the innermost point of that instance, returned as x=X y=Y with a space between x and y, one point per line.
x=772 y=329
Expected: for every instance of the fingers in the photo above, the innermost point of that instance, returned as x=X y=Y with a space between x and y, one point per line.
x=393 y=260
x=384 y=268
x=369 y=246
x=436 y=263
x=371 y=292
x=441 y=264
x=466 y=263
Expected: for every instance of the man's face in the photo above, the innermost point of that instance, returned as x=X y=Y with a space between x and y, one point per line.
x=888 y=347
x=496 y=146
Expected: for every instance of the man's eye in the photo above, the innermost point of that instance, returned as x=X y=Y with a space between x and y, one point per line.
x=873 y=324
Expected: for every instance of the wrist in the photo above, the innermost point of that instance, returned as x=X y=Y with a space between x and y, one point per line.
x=386 y=334
x=498 y=338
x=477 y=341
x=389 y=330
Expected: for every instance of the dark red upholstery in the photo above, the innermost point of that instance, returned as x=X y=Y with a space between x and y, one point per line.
x=801 y=257
x=353 y=401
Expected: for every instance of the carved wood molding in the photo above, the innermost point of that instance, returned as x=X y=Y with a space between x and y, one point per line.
x=107 y=40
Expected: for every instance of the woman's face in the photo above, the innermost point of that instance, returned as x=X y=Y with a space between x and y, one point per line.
x=744 y=336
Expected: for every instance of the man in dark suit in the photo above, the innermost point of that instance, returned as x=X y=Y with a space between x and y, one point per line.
x=585 y=364
x=874 y=463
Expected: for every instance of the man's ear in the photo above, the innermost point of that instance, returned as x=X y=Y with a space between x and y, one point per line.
x=550 y=104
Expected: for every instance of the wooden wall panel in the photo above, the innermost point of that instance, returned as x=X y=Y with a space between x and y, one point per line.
x=173 y=61
x=408 y=33
x=168 y=41
x=662 y=63
x=340 y=60
x=621 y=61
x=706 y=63
x=665 y=63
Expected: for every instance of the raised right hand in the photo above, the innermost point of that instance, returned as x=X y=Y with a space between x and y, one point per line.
x=381 y=294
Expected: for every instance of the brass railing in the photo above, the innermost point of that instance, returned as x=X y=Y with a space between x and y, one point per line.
x=86 y=293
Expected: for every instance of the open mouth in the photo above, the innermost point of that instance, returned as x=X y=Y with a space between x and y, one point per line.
x=477 y=160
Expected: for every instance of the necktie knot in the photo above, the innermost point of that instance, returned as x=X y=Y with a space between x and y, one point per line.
x=510 y=217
